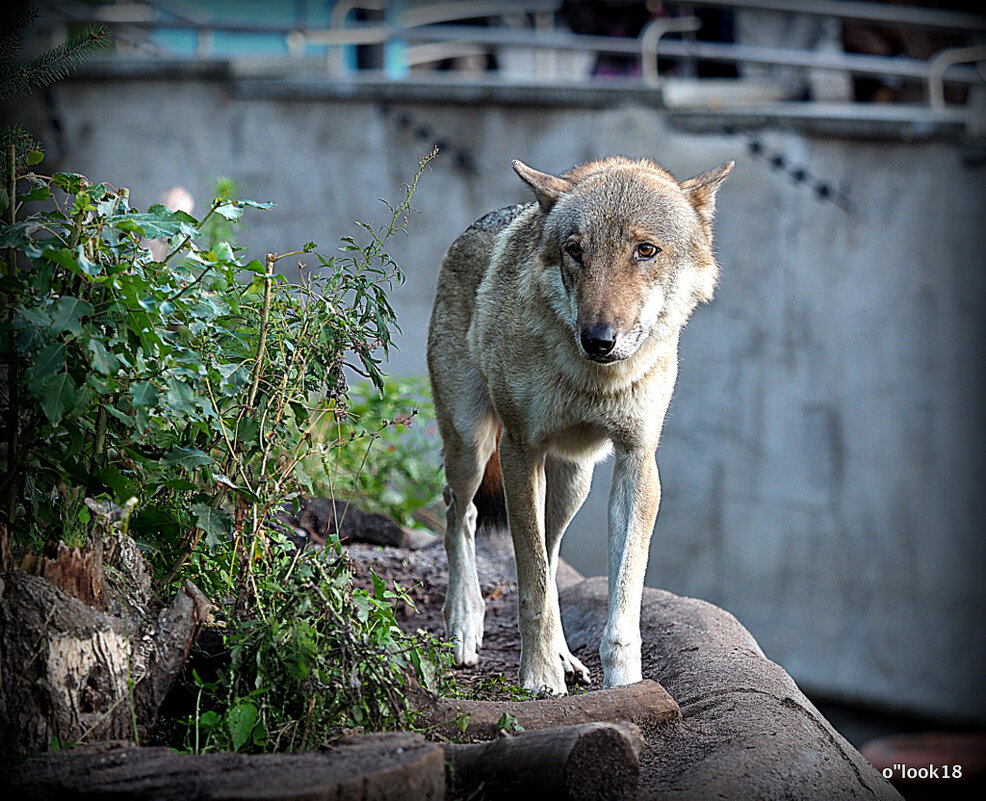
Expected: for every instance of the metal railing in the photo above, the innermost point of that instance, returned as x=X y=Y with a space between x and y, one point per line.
x=419 y=33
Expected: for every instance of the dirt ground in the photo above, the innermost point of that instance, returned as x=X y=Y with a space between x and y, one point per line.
x=747 y=731
x=423 y=575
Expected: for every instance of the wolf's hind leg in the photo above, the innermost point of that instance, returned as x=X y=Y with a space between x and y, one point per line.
x=469 y=442
x=566 y=488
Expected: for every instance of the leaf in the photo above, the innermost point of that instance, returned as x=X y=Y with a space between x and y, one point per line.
x=15 y=236
x=58 y=397
x=67 y=314
x=234 y=378
x=158 y=222
x=189 y=458
x=154 y=522
x=122 y=487
x=231 y=211
x=379 y=587
x=48 y=360
x=103 y=360
x=215 y=522
x=123 y=417
x=209 y=719
x=34 y=157
x=224 y=252
x=87 y=266
x=144 y=393
x=62 y=257
x=38 y=191
x=180 y=397
x=69 y=182
x=37 y=317
x=240 y=721
x=219 y=478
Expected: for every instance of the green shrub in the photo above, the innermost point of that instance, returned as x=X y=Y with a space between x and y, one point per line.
x=201 y=384
x=321 y=659
x=395 y=466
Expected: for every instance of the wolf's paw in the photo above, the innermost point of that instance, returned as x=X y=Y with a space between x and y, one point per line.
x=575 y=671
x=544 y=676
x=621 y=661
x=617 y=677
x=464 y=627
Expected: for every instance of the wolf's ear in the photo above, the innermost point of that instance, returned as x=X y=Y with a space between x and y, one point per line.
x=701 y=190
x=547 y=188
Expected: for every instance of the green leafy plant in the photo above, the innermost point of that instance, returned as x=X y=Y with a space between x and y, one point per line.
x=496 y=688
x=508 y=724
x=329 y=659
x=394 y=467
x=194 y=388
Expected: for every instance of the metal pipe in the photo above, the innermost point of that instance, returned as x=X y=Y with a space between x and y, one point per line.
x=940 y=62
x=886 y=13
x=650 y=38
x=472 y=9
x=340 y=11
x=712 y=51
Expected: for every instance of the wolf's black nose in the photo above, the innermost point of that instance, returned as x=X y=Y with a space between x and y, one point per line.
x=598 y=340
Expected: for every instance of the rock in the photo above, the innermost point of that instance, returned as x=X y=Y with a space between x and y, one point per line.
x=747 y=732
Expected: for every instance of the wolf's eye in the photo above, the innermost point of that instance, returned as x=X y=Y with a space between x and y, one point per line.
x=646 y=250
x=574 y=249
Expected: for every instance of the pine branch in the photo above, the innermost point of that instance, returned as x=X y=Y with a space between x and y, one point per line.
x=12 y=30
x=24 y=143
x=53 y=65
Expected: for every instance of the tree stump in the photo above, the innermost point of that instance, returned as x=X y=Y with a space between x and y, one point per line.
x=73 y=671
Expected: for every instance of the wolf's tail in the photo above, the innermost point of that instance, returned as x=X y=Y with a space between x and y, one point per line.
x=489 y=498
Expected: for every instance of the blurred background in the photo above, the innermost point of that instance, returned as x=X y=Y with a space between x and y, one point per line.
x=822 y=458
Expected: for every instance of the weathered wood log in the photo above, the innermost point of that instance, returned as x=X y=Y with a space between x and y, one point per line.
x=72 y=673
x=319 y=518
x=645 y=703
x=597 y=761
x=397 y=767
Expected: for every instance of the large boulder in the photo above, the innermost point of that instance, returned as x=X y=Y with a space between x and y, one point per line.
x=747 y=732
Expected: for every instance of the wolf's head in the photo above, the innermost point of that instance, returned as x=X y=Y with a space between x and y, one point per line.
x=627 y=250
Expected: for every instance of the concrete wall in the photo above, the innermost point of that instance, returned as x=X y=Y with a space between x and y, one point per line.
x=821 y=459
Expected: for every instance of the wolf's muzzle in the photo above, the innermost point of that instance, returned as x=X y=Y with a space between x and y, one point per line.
x=598 y=341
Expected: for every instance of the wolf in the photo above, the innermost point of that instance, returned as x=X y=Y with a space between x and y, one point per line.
x=553 y=342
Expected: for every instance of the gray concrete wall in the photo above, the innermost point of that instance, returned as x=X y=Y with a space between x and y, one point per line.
x=821 y=459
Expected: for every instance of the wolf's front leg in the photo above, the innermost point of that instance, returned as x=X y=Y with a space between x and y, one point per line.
x=633 y=503
x=464 y=607
x=567 y=483
x=541 y=667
